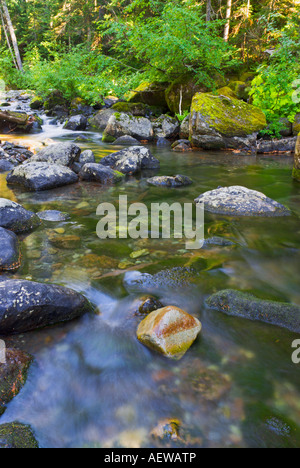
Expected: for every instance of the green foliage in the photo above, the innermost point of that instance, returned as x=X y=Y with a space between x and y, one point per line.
x=183 y=116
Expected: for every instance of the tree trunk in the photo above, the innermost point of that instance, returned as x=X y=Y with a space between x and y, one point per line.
x=208 y=10
x=12 y=34
x=296 y=171
x=7 y=39
x=228 y=18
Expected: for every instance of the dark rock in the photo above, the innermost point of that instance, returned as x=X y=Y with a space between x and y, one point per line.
x=132 y=160
x=10 y=255
x=240 y=201
x=64 y=154
x=13 y=375
x=25 y=306
x=18 y=436
x=247 y=306
x=101 y=119
x=173 y=182
x=166 y=127
x=5 y=165
x=15 y=218
x=76 y=122
x=126 y=140
x=38 y=176
x=163 y=142
x=99 y=173
x=87 y=157
x=124 y=124
x=276 y=146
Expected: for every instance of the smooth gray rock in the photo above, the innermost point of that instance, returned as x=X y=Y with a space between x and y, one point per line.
x=87 y=157
x=240 y=201
x=76 y=123
x=131 y=160
x=99 y=173
x=172 y=182
x=101 y=119
x=238 y=304
x=10 y=255
x=15 y=218
x=25 y=306
x=38 y=176
x=124 y=124
x=64 y=154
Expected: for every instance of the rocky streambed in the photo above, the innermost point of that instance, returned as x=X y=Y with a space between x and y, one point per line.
x=142 y=343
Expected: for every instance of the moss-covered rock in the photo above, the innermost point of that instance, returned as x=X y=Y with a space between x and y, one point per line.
x=296 y=170
x=137 y=109
x=239 y=304
x=55 y=98
x=219 y=122
x=13 y=375
x=189 y=88
x=17 y=435
x=152 y=94
x=240 y=89
x=296 y=125
x=226 y=91
x=37 y=103
x=101 y=119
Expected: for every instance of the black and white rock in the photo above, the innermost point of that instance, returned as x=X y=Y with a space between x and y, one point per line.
x=87 y=157
x=15 y=218
x=38 y=176
x=25 y=306
x=166 y=127
x=124 y=124
x=241 y=201
x=53 y=216
x=64 y=154
x=99 y=173
x=76 y=123
x=10 y=256
x=131 y=160
x=173 y=182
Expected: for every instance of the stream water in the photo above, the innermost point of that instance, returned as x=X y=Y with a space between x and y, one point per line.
x=93 y=384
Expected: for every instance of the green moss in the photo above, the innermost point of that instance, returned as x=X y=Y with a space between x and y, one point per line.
x=226 y=91
x=152 y=94
x=137 y=108
x=296 y=174
x=230 y=117
x=240 y=89
x=36 y=103
x=16 y=435
x=106 y=138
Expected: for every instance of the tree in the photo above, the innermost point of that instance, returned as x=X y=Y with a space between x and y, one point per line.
x=228 y=18
x=12 y=34
x=208 y=10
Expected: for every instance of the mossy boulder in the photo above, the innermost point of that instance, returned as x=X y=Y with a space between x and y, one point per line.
x=296 y=125
x=240 y=89
x=37 y=103
x=13 y=375
x=101 y=119
x=219 y=122
x=188 y=88
x=239 y=304
x=152 y=94
x=17 y=435
x=226 y=91
x=55 y=98
x=296 y=170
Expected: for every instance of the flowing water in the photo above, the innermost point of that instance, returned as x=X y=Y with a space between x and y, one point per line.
x=93 y=384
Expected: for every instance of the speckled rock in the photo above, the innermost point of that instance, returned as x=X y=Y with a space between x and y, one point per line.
x=87 y=157
x=131 y=160
x=64 y=154
x=25 y=305
x=124 y=124
x=15 y=218
x=99 y=173
x=247 y=306
x=166 y=127
x=38 y=176
x=240 y=201
x=13 y=375
x=10 y=256
x=172 y=182
x=170 y=331
x=76 y=123
x=17 y=436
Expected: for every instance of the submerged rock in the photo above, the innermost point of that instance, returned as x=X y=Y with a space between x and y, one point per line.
x=131 y=160
x=17 y=436
x=100 y=173
x=182 y=146
x=123 y=124
x=219 y=122
x=217 y=242
x=64 y=154
x=173 y=182
x=241 y=201
x=10 y=255
x=170 y=331
x=25 y=306
x=13 y=375
x=145 y=305
x=15 y=218
x=38 y=176
x=53 y=216
x=167 y=429
x=76 y=123
x=238 y=304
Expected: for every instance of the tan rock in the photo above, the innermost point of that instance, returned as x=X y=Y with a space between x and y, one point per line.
x=170 y=331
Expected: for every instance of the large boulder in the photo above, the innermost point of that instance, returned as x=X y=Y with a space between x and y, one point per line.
x=296 y=125
x=100 y=173
x=184 y=133
x=10 y=255
x=38 y=176
x=11 y=121
x=240 y=201
x=131 y=160
x=13 y=374
x=15 y=218
x=17 y=436
x=64 y=154
x=101 y=119
x=124 y=124
x=247 y=306
x=185 y=89
x=170 y=331
x=296 y=170
x=152 y=94
x=285 y=145
x=137 y=109
x=55 y=99
x=25 y=306
x=218 y=122
x=76 y=122
x=166 y=127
